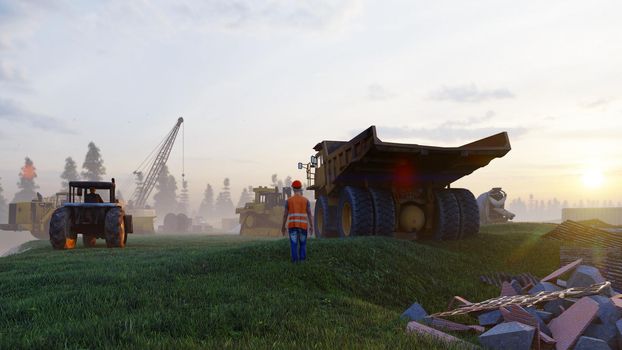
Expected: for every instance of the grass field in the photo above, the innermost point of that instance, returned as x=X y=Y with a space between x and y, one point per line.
x=230 y=292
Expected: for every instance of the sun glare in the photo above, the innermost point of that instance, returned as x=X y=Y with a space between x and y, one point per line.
x=592 y=178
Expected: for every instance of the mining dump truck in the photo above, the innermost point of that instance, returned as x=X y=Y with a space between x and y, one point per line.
x=492 y=207
x=33 y=216
x=264 y=215
x=92 y=220
x=368 y=187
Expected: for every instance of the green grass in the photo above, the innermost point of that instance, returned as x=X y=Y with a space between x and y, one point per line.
x=230 y=292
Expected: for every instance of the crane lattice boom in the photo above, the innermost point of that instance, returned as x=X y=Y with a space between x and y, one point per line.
x=142 y=192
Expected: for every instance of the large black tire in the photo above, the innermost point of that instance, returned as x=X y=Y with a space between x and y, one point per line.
x=115 y=228
x=469 y=212
x=89 y=241
x=355 y=216
x=324 y=219
x=60 y=227
x=447 y=216
x=384 y=211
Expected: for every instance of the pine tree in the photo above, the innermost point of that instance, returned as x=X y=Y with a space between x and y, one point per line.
x=246 y=196
x=183 y=197
x=93 y=164
x=26 y=182
x=206 y=209
x=224 y=205
x=165 y=200
x=69 y=174
x=3 y=207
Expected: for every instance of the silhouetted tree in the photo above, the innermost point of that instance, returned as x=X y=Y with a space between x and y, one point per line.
x=183 y=197
x=93 y=164
x=69 y=174
x=165 y=200
x=4 y=213
x=206 y=209
x=26 y=182
x=224 y=206
x=246 y=196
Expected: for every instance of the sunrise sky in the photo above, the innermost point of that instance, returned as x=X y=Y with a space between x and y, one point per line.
x=260 y=82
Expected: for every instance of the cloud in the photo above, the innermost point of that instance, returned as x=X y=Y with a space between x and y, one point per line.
x=10 y=73
x=377 y=92
x=462 y=130
x=469 y=93
x=306 y=14
x=12 y=112
x=601 y=102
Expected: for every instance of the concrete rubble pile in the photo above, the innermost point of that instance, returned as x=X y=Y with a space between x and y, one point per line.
x=574 y=307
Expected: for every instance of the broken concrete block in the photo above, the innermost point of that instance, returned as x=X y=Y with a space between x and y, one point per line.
x=585 y=276
x=605 y=332
x=571 y=324
x=415 y=313
x=555 y=306
x=541 y=324
x=561 y=271
x=619 y=333
x=490 y=318
x=589 y=343
x=517 y=287
x=544 y=315
x=508 y=336
x=415 y=327
x=544 y=287
x=607 y=311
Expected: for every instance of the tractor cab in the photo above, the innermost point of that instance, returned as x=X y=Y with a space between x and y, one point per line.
x=79 y=189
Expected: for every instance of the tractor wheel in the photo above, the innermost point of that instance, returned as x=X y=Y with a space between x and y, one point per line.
x=447 y=216
x=115 y=228
x=324 y=219
x=60 y=228
x=384 y=211
x=89 y=240
x=355 y=214
x=469 y=212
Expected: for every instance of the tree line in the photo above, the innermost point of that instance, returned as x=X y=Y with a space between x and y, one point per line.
x=165 y=200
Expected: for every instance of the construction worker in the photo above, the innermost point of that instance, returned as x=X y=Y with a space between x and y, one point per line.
x=299 y=221
x=92 y=197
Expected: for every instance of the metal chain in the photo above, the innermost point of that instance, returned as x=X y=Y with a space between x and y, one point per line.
x=527 y=300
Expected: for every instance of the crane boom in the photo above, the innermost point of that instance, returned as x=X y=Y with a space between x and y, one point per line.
x=142 y=192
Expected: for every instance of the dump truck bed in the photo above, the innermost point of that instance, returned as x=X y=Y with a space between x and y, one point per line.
x=367 y=160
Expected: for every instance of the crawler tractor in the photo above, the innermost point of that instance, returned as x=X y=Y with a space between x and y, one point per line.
x=368 y=187
x=263 y=216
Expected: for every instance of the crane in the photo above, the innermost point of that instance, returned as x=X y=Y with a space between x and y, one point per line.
x=158 y=160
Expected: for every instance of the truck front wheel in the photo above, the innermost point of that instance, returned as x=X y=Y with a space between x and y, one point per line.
x=469 y=212
x=324 y=218
x=447 y=216
x=59 y=228
x=115 y=228
x=355 y=213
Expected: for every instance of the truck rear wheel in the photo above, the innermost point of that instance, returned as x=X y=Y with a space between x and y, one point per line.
x=469 y=212
x=384 y=211
x=324 y=219
x=115 y=228
x=355 y=213
x=447 y=216
x=89 y=240
x=59 y=228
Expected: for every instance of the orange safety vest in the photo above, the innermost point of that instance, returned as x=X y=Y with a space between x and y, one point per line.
x=297 y=212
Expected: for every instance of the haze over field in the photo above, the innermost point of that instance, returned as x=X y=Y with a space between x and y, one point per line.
x=260 y=82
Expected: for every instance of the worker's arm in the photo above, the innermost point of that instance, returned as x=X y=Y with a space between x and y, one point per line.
x=310 y=216
x=285 y=213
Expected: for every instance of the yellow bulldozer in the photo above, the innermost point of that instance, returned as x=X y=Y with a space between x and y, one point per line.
x=264 y=215
x=34 y=216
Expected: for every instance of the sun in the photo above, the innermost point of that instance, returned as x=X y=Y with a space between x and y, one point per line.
x=592 y=178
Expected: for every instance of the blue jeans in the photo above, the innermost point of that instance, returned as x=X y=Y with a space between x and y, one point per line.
x=298 y=243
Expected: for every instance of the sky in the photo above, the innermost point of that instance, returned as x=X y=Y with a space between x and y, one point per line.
x=260 y=82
